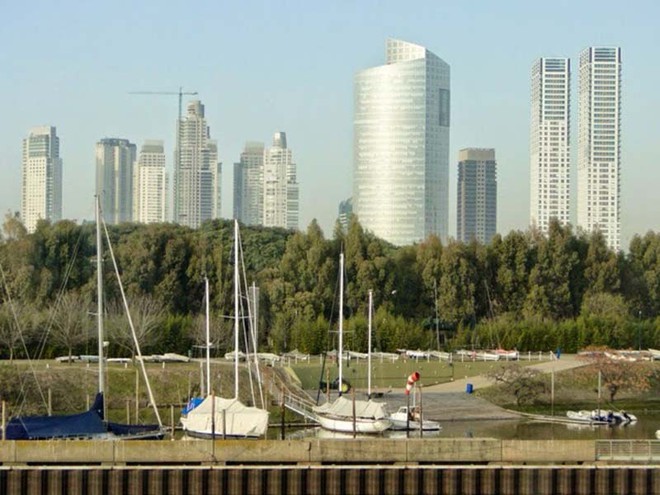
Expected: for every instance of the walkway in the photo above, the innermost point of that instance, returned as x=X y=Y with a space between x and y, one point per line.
x=566 y=362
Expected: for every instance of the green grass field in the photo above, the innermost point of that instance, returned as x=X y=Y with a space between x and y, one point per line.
x=388 y=374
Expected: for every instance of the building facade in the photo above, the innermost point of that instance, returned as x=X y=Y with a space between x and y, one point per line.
x=197 y=172
x=249 y=185
x=401 y=145
x=150 y=184
x=280 y=186
x=345 y=213
x=550 y=170
x=41 y=188
x=115 y=160
x=599 y=143
x=477 y=195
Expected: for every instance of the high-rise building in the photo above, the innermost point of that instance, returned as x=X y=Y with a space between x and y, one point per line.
x=197 y=172
x=150 y=184
x=550 y=171
x=280 y=198
x=345 y=213
x=115 y=159
x=599 y=143
x=477 y=195
x=401 y=145
x=41 y=191
x=249 y=185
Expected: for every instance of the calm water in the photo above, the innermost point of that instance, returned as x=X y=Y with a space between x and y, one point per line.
x=645 y=428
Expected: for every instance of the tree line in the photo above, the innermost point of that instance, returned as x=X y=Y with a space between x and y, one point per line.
x=524 y=290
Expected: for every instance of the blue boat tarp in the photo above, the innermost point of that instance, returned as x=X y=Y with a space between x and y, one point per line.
x=81 y=425
x=192 y=404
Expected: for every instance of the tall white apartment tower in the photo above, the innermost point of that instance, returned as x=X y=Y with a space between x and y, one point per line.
x=401 y=145
x=599 y=143
x=280 y=198
x=41 y=191
x=550 y=171
x=150 y=184
x=115 y=159
x=197 y=173
x=249 y=185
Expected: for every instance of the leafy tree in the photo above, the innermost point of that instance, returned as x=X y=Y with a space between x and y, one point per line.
x=616 y=375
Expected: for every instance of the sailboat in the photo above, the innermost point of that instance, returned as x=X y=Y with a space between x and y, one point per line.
x=345 y=415
x=90 y=424
x=216 y=417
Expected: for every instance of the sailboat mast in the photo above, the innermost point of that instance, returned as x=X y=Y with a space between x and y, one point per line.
x=236 y=304
x=99 y=293
x=208 y=338
x=340 y=352
x=371 y=304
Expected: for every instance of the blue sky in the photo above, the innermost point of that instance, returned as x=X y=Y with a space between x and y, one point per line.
x=260 y=67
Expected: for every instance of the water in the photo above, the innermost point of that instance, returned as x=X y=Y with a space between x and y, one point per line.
x=645 y=428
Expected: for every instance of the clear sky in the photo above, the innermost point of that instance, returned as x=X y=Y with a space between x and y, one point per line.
x=265 y=66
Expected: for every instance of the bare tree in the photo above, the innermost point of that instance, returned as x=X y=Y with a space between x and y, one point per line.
x=523 y=383
x=146 y=314
x=71 y=321
x=9 y=332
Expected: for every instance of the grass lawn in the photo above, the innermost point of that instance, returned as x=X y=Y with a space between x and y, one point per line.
x=387 y=374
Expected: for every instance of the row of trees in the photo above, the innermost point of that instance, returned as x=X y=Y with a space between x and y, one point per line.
x=523 y=290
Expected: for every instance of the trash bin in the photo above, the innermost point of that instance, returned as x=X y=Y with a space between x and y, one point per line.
x=469 y=388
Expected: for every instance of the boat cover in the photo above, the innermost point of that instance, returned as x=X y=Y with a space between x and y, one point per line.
x=344 y=407
x=81 y=425
x=240 y=420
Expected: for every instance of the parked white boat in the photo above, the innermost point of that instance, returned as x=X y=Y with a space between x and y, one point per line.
x=370 y=416
x=225 y=416
x=346 y=415
x=219 y=417
x=402 y=420
x=602 y=417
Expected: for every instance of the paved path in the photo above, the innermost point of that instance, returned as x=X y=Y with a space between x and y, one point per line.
x=566 y=362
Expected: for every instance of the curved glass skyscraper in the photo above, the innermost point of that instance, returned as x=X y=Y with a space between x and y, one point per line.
x=401 y=145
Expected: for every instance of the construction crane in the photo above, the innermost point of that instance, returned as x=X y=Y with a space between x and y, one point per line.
x=180 y=93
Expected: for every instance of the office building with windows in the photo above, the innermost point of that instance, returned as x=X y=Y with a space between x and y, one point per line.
x=599 y=143
x=401 y=145
x=280 y=196
x=41 y=188
x=115 y=159
x=249 y=185
x=197 y=172
x=150 y=184
x=477 y=195
x=550 y=170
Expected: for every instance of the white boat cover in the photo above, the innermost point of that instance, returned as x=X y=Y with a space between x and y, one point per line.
x=240 y=420
x=344 y=407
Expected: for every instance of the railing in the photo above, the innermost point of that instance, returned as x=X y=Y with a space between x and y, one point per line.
x=628 y=450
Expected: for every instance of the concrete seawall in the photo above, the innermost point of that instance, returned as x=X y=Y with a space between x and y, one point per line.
x=313 y=451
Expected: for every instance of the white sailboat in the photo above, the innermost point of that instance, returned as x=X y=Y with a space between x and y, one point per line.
x=216 y=417
x=346 y=415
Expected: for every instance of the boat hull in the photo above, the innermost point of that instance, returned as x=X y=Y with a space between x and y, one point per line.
x=345 y=425
x=401 y=424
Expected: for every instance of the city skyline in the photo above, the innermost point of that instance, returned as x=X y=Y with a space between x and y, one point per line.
x=75 y=86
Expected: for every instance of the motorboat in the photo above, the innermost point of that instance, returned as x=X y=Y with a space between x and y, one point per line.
x=410 y=420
